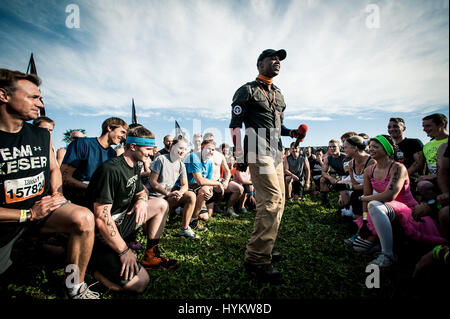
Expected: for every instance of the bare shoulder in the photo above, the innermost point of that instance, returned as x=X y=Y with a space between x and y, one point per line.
x=400 y=168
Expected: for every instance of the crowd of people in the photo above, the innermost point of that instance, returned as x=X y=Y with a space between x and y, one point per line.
x=390 y=186
x=101 y=196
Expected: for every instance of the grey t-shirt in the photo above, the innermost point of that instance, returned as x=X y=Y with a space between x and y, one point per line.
x=168 y=171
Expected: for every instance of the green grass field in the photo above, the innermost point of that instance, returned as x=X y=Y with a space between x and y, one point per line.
x=316 y=264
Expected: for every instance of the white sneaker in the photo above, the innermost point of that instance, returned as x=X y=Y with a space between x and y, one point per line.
x=231 y=212
x=188 y=233
x=383 y=260
x=84 y=293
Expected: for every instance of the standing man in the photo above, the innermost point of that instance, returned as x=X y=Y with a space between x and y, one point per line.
x=260 y=105
x=31 y=182
x=84 y=155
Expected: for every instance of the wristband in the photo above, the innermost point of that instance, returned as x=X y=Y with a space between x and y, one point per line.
x=440 y=254
x=141 y=198
x=23 y=215
x=124 y=252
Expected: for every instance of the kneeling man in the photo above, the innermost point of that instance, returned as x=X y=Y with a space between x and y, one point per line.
x=120 y=206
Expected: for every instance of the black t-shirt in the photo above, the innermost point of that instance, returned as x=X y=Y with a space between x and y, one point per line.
x=316 y=168
x=407 y=148
x=115 y=182
x=24 y=172
x=337 y=164
x=163 y=151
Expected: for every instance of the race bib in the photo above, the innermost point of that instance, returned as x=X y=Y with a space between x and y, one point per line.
x=432 y=168
x=19 y=190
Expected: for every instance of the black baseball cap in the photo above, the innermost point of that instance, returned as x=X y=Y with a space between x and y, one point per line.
x=271 y=52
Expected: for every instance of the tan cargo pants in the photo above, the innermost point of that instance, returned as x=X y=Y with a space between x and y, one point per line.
x=268 y=180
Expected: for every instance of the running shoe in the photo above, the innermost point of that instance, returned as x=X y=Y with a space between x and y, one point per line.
x=153 y=260
x=188 y=233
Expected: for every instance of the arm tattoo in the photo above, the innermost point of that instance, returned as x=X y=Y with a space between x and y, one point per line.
x=394 y=179
x=109 y=221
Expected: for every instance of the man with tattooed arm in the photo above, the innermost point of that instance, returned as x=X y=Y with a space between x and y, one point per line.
x=120 y=206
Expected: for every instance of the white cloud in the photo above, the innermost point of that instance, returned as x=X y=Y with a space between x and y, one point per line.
x=192 y=55
x=308 y=118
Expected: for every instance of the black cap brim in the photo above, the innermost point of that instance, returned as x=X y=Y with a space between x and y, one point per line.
x=281 y=54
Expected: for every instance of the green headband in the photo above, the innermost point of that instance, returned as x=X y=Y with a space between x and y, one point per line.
x=386 y=145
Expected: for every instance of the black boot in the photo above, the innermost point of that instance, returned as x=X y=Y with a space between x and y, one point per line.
x=264 y=273
x=276 y=256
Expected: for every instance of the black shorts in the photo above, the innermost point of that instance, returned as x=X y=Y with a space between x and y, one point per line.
x=196 y=188
x=11 y=232
x=247 y=189
x=105 y=260
x=297 y=188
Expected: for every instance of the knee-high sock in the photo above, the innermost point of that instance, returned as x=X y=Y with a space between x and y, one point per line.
x=382 y=216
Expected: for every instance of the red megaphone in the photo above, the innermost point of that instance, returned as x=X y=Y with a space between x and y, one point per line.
x=302 y=129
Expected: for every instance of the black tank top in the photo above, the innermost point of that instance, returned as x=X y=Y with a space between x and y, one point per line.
x=337 y=164
x=24 y=166
x=296 y=166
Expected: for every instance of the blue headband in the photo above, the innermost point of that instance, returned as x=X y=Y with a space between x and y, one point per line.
x=140 y=141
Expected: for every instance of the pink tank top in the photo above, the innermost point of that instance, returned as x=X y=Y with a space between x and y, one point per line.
x=404 y=196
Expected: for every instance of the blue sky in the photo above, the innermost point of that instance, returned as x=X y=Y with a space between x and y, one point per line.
x=347 y=67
